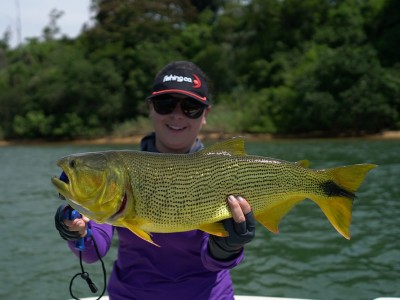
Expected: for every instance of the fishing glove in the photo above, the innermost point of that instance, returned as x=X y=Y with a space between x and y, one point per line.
x=63 y=229
x=226 y=248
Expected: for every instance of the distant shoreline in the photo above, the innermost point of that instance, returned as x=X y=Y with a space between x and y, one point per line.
x=212 y=136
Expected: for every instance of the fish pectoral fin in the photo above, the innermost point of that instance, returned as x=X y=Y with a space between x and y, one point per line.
x=136 y=230
x=271 y=217
x=214 y=229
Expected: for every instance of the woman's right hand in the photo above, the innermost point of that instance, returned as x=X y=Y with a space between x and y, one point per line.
x=70 y=230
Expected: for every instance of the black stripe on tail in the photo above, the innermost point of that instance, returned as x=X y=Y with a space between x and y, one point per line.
x=331 y=189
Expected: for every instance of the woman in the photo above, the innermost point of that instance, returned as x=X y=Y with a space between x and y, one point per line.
x=188 y=265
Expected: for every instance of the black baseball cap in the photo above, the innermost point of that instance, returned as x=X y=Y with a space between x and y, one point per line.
x=181 y=77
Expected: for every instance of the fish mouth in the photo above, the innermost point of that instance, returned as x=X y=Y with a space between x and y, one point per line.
x=61 y=186
x=121 y=208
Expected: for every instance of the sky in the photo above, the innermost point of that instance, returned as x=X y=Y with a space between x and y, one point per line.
x=34 y=16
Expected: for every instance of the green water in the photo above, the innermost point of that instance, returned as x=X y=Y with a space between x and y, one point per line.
x=308 y=259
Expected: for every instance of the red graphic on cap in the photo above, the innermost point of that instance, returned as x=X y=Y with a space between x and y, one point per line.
x=196 y=81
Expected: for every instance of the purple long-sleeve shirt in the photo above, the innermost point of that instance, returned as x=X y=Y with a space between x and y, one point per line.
x=181 y=268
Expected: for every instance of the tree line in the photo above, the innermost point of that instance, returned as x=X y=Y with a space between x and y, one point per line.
x=283 y=67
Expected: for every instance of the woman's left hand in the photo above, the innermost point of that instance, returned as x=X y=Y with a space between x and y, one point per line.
x=241 y=229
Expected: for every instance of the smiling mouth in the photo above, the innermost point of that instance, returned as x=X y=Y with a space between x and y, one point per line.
x=176 y=128
x=121 y=208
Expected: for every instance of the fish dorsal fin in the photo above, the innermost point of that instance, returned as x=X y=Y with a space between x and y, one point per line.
x=304 y=163
x=234 y=146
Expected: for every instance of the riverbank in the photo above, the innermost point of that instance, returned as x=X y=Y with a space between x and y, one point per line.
x=209 y=136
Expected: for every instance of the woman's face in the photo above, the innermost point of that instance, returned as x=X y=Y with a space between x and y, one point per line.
x=175 y=132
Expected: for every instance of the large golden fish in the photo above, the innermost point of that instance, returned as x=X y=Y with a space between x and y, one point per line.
x=152 y=192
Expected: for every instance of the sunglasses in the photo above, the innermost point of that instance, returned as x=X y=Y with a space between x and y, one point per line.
x=190 y=107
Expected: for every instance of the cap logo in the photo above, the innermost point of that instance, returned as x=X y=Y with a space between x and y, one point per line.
x=177 y=78
x=196 y=82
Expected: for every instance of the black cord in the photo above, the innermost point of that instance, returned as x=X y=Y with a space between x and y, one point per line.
x=86 y=277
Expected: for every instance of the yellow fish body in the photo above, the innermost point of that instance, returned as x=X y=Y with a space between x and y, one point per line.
x=152 y=192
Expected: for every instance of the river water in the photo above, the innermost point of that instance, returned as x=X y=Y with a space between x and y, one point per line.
x=307 y=259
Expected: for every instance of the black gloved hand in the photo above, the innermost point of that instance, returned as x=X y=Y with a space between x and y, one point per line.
x=63 y=229
x=226 y=248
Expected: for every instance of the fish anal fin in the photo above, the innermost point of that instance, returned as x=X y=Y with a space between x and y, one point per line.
x=234 y=146
x=338 y=212
x=271 y=217
x=214 y=229
x=132 y=226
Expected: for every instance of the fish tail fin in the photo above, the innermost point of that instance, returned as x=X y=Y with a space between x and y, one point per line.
x=338 y=194
x=350 y=177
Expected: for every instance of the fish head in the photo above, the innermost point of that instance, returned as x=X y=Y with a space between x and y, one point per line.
x=96 y=184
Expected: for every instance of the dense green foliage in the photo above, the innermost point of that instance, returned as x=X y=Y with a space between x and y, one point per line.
x=286 y=67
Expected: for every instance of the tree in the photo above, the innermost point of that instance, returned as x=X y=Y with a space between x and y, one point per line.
x=384 y=32
x=337 y=91
x=51 y=91
x=52 y=29
x=283 y=66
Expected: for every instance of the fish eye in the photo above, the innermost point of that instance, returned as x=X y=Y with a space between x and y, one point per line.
x=72 y=163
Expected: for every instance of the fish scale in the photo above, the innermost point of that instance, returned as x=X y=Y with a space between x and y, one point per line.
x=171 y=201
x=181 y=192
